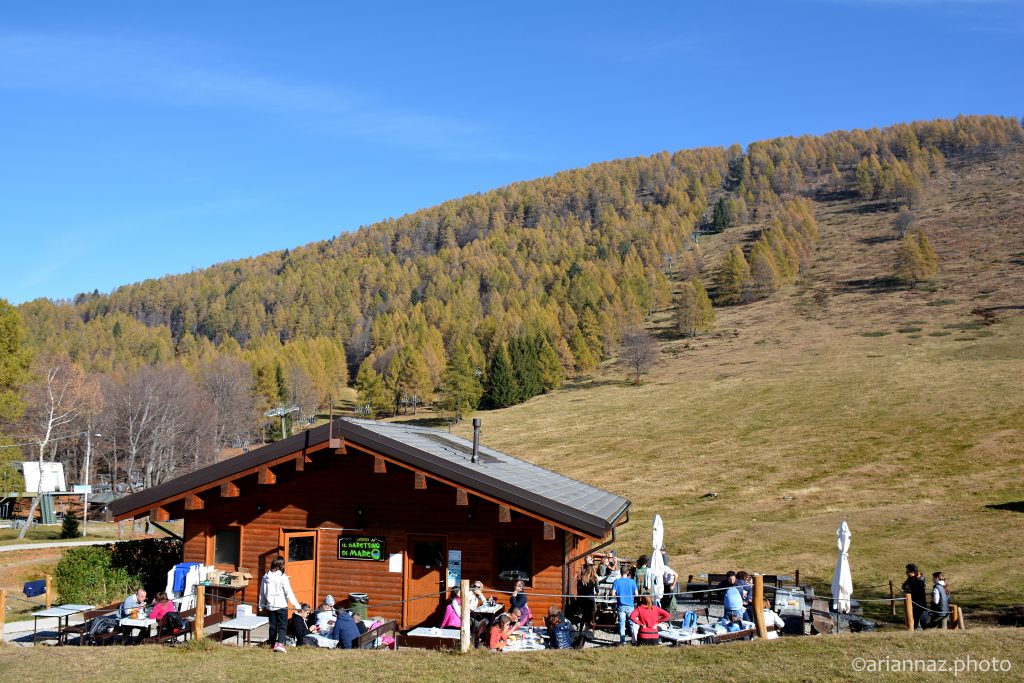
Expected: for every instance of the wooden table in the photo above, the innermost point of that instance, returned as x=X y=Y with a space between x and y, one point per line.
x=530 y=640
x=61 y=613
x=128 y=624
x=678 y=636
x=243 y=627
x=432 y=638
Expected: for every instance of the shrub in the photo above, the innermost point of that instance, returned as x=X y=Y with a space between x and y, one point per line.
x=147 y=559
x=69 y=528
x=86 y=575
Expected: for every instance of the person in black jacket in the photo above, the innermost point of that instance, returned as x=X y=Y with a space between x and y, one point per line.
x=298 y=625
x=916 y=587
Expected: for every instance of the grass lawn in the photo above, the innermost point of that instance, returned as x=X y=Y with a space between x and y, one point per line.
x=788 y=659
x=51 y=534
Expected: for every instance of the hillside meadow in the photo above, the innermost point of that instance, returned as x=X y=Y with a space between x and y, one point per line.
x=844 y=396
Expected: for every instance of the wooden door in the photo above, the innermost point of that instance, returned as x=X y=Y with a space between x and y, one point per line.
x=300 y=564
x=426 y=574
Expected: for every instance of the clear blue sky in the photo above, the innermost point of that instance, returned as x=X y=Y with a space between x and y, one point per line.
x=139 y=138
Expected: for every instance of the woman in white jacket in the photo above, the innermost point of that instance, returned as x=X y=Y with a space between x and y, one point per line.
x=275 y=595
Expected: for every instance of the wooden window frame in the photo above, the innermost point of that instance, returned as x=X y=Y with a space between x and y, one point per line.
x=496 y=567
x=211 y=546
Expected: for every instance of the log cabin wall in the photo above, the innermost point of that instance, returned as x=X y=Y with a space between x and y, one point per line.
x=326 y=496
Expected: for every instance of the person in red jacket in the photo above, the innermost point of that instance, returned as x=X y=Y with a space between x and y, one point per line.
x=647 y=616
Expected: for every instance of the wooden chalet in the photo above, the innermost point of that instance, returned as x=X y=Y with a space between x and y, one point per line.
x=387 y=509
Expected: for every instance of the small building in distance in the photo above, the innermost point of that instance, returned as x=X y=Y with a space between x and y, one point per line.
x=391 y=510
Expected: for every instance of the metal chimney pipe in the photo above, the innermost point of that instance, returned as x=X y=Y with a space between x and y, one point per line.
x=476 y=440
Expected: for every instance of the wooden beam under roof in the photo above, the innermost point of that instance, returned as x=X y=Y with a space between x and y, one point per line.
x=229 y=489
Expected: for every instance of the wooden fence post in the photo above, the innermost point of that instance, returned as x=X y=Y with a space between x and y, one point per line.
x=3 y=612
x=200 y=622
x=796 y=581
x=892 y=598
x=49 y=592
x=757 y=606
x=464 y=616
x=908 y=611
x=960 y=625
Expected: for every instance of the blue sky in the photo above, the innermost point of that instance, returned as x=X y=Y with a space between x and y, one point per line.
x=140 y=139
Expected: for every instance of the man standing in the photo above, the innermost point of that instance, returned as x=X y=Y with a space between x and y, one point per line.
x=624 y=589
x=915 y=586
x=275 y=595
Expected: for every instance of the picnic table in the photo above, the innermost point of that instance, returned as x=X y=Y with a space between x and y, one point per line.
x=489 y=610
x=530 y=640
x=242 y=627
x=432 y=638
x=60 y=612
x=685 y=636
x=129 y=624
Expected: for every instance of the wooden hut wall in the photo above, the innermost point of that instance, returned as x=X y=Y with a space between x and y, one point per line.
x=326 y=496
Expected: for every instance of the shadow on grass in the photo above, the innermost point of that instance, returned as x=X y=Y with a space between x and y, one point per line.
x=874 y=285
x=593 y=384
x=869 y=207
x=878 y=239
x=1013 y=506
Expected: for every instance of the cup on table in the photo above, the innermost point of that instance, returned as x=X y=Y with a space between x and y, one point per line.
x=135 y=613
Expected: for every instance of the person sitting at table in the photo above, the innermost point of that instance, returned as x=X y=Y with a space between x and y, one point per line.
x=325 y=618
x=297 y=626
x=453 y=612
x=728 y=582
x=731 y=623
x=476 y=597
x=746 y=592
x=561 y=634
x=499 y=633
x=647 y=616
x=134 y=601
x=161 y=606
x=772 y=619
x=345 y=630
x=518 y=601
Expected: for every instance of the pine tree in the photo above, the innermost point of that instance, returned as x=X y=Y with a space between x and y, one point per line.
x=931 y=259
x=15 y=361
x=371 y=389
x=502 y=387
x=461 y=390
x=551 y=372
x=732 y=276
x=585 y=359
x=282 y=384
x=764 y=273
x=720 y=216
x=525 y=360
x=911 y=266
x=865 y=185
x=69 y=528
x=694 y=312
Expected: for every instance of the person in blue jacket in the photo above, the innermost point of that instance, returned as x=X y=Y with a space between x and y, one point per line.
x=345 y=630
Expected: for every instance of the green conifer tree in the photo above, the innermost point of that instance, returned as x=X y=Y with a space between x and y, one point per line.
x=371 y=389
x=525 y=359
x=461 y=389
x=502 y=387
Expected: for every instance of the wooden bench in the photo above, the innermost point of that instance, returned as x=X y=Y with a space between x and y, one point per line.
x=366 y=640
x=745 y=634
x=82 y=630
x=164 y=638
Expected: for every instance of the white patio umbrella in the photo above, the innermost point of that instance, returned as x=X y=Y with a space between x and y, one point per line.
x=842 y=580
x=656 y=568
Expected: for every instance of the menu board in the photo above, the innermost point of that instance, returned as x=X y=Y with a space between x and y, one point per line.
x=369 y=548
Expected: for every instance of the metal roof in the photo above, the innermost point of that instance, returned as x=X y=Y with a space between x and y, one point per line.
x=549 y=495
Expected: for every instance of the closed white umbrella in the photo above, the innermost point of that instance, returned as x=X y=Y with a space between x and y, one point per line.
x=842 y=580
x=656 y=571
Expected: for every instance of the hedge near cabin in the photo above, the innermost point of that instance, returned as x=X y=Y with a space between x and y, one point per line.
x=102 y=574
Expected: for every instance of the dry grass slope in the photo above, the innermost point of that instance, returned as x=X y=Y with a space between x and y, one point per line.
x=843 y=396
